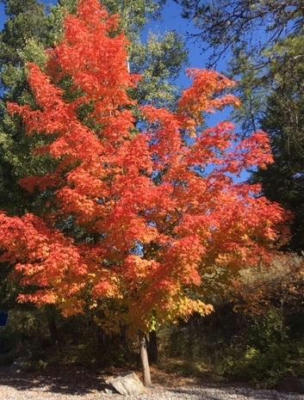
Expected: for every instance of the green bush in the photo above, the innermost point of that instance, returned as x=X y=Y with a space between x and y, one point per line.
x=253 y=349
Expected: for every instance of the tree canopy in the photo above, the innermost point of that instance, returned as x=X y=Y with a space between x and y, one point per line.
x=150 y=209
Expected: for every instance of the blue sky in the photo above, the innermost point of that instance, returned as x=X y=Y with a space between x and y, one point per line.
x=2 y=15
x=171 y=20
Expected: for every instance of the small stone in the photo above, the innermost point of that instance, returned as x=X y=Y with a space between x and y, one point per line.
x=19 y=365
x=108 y=391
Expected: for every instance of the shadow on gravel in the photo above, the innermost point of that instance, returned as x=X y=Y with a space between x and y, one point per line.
x=65 y=381
x=215 y=393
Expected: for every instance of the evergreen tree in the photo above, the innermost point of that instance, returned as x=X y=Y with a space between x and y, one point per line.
x=283 y=119
x=23 y=39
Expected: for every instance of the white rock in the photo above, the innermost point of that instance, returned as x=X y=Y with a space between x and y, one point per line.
x=128 y=384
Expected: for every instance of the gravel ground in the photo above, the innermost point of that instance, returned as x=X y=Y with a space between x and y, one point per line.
x=188 y=393
x=74 y=385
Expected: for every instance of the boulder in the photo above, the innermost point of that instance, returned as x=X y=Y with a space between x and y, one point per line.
x=128 y=384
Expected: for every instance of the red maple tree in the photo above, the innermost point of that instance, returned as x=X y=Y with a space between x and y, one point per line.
x=154 y=193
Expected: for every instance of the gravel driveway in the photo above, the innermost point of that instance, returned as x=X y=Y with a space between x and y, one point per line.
x=73 y=385
x=189 y=393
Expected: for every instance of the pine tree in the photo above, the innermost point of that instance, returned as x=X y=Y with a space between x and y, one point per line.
x=283 y=119
x=23 y=39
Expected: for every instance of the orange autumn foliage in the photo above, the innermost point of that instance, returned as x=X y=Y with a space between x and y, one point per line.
x=156 y=208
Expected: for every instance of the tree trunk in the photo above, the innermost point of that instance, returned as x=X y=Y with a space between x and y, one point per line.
x=145 y=360
x=51 y=319
x=152 y=348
